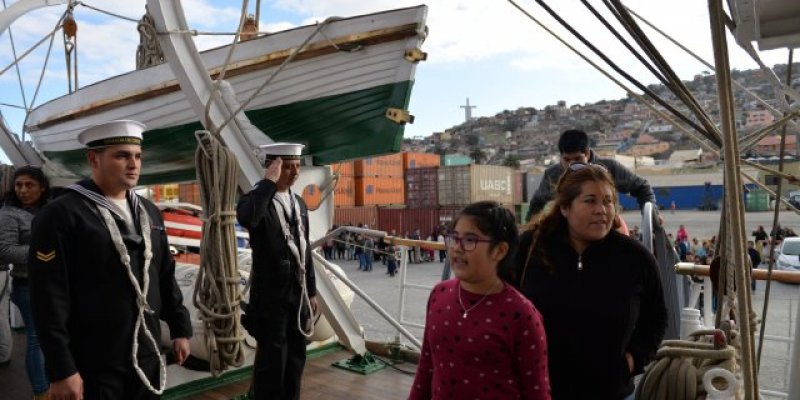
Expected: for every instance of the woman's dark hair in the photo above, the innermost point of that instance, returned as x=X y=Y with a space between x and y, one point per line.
x=38 y=175
x=496 y=222
x=552 y=223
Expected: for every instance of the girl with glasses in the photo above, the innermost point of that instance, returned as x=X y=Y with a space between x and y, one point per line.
x=482 y=338
x=598 y=290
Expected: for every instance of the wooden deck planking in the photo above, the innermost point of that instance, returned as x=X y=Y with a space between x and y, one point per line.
x=321 y=381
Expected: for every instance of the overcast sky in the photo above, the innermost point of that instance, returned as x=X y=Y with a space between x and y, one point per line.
x=482 y=49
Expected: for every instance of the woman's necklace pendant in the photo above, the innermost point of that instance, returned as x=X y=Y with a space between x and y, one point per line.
x=464 y=315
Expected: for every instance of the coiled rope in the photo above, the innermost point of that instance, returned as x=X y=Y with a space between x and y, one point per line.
x=678 y=370
x=217 y=296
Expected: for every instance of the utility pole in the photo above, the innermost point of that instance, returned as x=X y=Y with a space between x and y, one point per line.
x=468 y=111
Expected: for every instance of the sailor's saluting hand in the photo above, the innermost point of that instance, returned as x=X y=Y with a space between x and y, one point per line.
x=273 y=171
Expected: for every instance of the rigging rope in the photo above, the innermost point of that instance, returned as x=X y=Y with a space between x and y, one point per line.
x=615 y=67
x=774 y=234
x=14 y=54
x=217 y=296
x=221 y=77
x=630 y=92
x=676 y=84
x=280 y=68
x=735 y=261
x=80 y=3
x=708 y=64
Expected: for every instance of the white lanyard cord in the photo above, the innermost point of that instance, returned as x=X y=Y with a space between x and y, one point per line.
x=141 y=293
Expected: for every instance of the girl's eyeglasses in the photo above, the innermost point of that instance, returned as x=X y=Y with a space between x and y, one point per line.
x=467 y=243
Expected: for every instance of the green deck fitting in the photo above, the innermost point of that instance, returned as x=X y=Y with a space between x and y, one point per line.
x=359 y=364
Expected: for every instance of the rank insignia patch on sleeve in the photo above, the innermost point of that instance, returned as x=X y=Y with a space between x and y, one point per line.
x=46 y=257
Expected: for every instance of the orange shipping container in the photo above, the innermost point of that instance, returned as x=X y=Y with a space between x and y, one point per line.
x=345 y=193
x=189 y=193
x=390 y=165
x=380 y=191
x=312 y=195
x=420 y=160
x=343 y=168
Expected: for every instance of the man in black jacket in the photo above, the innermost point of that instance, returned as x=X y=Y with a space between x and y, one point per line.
x=101 y=277
x=283 y=292
x=574 y=147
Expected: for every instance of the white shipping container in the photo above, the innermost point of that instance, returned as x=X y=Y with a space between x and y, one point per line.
x=465 y=184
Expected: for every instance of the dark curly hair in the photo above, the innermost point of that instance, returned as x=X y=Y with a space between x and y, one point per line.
x=553 y=224
x=496 y=222
x=38 y=175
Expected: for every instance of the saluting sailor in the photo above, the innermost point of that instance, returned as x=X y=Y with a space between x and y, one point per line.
x=283 y=293
x=102 y=277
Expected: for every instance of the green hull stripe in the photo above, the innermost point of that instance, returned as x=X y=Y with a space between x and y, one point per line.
x=335 y=128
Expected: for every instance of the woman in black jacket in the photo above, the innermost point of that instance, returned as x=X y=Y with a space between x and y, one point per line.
x=598 y=291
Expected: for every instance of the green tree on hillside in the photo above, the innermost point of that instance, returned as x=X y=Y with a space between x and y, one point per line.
x=512 y=160
x=478 y=155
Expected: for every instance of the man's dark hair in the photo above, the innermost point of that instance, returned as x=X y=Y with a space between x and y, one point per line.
x=573 y=141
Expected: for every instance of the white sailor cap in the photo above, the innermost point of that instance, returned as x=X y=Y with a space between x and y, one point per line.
x=112 y=133
x=286 y=151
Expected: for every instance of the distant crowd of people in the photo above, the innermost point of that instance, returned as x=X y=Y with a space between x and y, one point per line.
x=351 y=246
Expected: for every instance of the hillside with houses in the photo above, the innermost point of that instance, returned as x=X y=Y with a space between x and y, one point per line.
x=621 y=128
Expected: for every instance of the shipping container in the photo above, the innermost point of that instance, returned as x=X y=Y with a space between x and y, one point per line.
x=189 y=193
x=356 y=216
x=389 y=165
x=694 y=197
x=346 y=168
x=449 y=160
x=422 y=187
x=344 y=195
x=165 y=193
x=402 y=220
x=462 y=185
x=379 y=191
x=448 y=214
x=757 y=200
x=420 y=160
x=312 y=195
x=518 y=185
x=532 y=182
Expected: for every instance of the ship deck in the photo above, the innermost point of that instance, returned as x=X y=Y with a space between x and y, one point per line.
x=321 y=380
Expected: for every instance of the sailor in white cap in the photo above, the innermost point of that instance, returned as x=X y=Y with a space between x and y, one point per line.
x=102 y=276
x=283 y=292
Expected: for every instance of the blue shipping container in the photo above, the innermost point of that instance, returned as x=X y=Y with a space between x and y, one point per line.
x=685 y=197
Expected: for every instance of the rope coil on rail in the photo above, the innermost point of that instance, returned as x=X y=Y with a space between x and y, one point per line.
x=679 y=367
x=217 y=296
